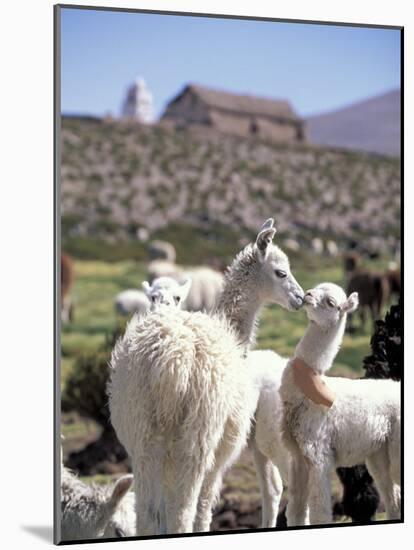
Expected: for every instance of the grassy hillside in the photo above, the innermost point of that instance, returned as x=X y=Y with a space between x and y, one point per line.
x=97 y=283
x=119 y=177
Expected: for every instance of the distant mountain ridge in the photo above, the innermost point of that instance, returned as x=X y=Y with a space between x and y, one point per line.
x=371 y=125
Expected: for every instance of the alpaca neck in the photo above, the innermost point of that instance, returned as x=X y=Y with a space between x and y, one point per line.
x=240 y=302
x=243 y=317
x=320 y=345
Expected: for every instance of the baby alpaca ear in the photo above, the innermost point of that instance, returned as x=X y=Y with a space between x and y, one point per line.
x=265 y=235
x=119 y=490
x=185 y=288
x=146 y=287
x=351 y=303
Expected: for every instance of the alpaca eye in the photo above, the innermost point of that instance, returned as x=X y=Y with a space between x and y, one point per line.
x=176 y=299
x=331 y=302
x=153 y=299
x=280 y=273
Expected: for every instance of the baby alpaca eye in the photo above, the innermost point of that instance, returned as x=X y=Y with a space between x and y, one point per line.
x=280 y=273
x=331 y=302
x=153 y=299
x=177 y=299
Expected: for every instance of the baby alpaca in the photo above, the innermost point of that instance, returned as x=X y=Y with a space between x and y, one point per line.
x=91 y=511
x=166 y=291
x=362 y=425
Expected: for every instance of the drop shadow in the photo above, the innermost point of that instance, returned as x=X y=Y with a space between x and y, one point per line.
x=43 y=532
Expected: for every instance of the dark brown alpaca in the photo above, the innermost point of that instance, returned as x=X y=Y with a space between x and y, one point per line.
x=394 y=281
x=66 y=281
x=373 y=288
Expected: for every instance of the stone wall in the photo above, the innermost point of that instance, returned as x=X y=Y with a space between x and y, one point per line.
x=261 y=127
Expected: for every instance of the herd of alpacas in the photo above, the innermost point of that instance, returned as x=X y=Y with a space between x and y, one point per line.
x=187 y=393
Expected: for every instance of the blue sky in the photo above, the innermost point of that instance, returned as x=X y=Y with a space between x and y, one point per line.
x=317 y=67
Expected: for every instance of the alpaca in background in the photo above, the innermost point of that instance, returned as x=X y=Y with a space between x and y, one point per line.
x=131 y=301
x=163 y=290
x=373 y=288
x=162 y=250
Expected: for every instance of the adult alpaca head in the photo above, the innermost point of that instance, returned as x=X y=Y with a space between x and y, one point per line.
x=276 y=282
x=259 y=274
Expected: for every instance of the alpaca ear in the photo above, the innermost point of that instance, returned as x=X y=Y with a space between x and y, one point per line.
x=185 y=288
x=264 y=238
x=351 y=303
x=146 y=287
x=119 y=490
x=270 y=222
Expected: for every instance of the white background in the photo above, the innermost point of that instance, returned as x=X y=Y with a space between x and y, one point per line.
x=26 y=245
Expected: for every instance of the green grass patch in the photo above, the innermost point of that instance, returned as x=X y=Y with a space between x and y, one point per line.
x=98 y=282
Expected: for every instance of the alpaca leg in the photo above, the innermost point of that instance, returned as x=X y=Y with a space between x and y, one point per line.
x=320 y=499
x=230 y=448
x=394 y=453
x=148 y=474
x=182 y=492
x=363 y=317
x=146 y=521
x=181 y=504
x=208 y=496
x=162 y=518
x=224 y=457
x=298 y=490
x=271 y=486
x=374 y=309
x=380 y=468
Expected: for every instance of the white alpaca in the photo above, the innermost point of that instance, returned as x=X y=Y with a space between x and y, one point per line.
x=317 y=245
x=181 y=398
x=166 y=291
x=131 y=301
x=270 y=455
x=362 y=425
x=266 y=368
x=163 y=290
x=162 y=250
x=206 y=288
x=163 y=268
x=332 y=248
x=92 y=511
